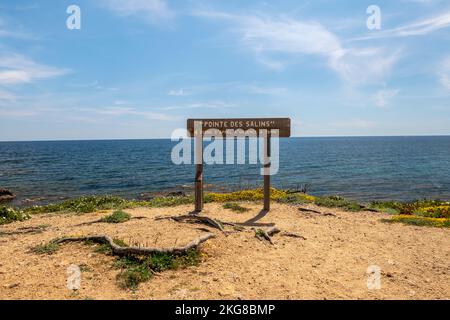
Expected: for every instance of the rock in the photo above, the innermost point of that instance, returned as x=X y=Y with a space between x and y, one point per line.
x=6 y=195
x=176 y=194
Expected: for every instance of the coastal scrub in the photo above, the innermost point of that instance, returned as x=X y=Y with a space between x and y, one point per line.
x=8 y=215
x=235 y=207
x=117 y=216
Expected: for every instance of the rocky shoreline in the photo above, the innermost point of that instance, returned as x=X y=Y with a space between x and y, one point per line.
x=6 y=195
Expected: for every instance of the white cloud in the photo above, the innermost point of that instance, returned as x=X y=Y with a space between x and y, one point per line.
x=6 y=32
x=418 y=28
x=266 y=90
x=120 y=111
x=382 y=97
x=120 y=102
x=7 y=96
x=7 y=112
x=445 y=81
x=176 y=92
x=269 y=37
x=444 y=74
x=17 y=69
x=201 y=105
x=151 y=10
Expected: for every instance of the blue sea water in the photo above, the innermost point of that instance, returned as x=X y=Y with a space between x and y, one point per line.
x=360 y=168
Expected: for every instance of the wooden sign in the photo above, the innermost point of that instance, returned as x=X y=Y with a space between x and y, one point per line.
x=222 y=127
x=214 y=126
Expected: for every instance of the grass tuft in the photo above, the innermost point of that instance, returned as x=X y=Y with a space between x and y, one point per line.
x=117 y=216
x=136 y=269
x=235 y=207
x=338 y=202
x=85 y=204
x=48 y=248
x=297 y=198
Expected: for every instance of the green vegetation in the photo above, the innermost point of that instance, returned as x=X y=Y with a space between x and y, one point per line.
x=48 y=248
x=338 y=202
x=235 y=207
x=87 y=204
x=161 y=202
x=426 y=209
x=117 y=216
x=134 y=269
x=259 y=233
x=105 y=248
x=328 y=201
x=430 y=213
x=419 y=221
x=8 y=215
x=297 y=198
x=84 y=204
x=137 y=269
x=244 y=195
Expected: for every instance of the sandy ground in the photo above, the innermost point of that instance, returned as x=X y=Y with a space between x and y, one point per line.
x=330 y=264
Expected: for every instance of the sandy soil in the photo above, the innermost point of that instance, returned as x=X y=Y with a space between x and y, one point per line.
x=330 y=264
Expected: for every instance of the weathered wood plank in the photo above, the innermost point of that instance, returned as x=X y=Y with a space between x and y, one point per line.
x=216 y=126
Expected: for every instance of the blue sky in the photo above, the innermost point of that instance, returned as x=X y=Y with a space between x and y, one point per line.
x=139 y=68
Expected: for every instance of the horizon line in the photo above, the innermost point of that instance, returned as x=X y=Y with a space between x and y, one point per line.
x=325 y=136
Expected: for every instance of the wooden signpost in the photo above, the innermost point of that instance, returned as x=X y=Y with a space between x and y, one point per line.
x=198 y=128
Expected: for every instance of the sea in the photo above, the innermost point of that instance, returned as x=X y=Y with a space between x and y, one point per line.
x=360 y=168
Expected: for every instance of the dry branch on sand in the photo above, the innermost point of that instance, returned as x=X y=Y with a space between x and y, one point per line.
x=326 y=214
x=196 y=219
x=123 y=251
x=262 y=234
x=293 y=235
x=24 y=230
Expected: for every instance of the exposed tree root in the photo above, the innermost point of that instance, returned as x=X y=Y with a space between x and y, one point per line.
x=24 y=230
x=266 y=234
x=308 y=210
x=369 y=209
x=327 y=214
x=196 y=219
x=102 y=221
x=271 y=231
x=123 y=251
x=293 y=235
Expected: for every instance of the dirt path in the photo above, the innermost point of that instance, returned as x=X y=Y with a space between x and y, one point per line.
x=330 y=264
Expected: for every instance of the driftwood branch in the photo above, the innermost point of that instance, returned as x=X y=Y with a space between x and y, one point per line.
x=196 y=219
x=326 y=214
x=24 y=230
x=262 y=234
x=122 y=251
x=293 y=235
x=308 y=210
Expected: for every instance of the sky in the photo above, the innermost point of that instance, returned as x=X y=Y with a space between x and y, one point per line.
x=138 y=69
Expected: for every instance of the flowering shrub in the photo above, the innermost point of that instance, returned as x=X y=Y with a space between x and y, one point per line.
x=245 y=195
x=440 y=211
x=421 y=221
x=8 y=215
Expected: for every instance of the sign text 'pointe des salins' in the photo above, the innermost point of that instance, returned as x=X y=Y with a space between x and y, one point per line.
x=205 y=127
